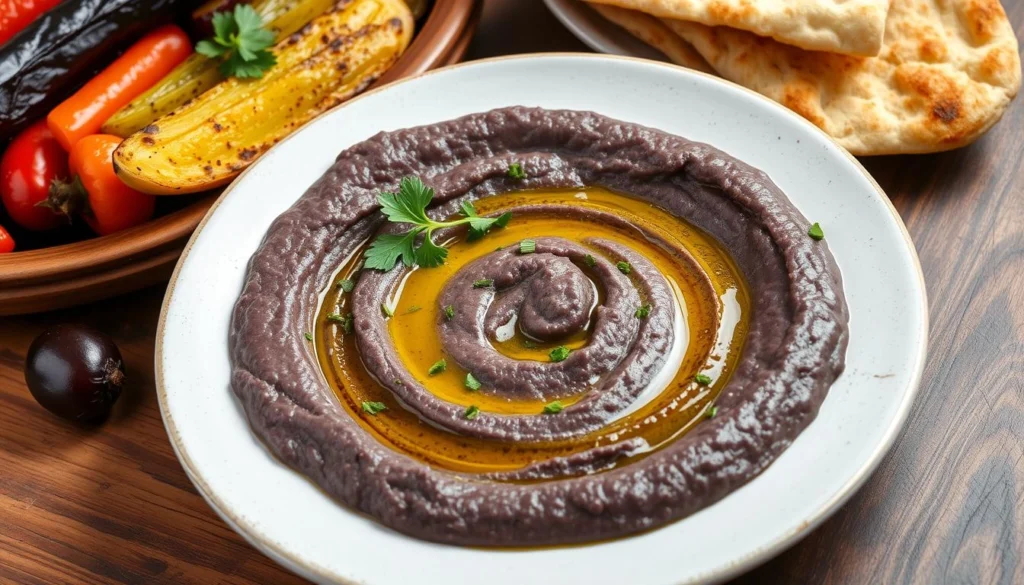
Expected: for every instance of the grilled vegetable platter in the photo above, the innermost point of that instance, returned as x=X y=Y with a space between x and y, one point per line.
x=106 y=105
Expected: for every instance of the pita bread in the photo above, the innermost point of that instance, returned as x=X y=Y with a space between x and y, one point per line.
x=946 y=73
x=656 y=34
x=853 y=27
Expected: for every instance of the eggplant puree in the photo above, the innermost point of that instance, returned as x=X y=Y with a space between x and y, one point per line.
x=793 y=351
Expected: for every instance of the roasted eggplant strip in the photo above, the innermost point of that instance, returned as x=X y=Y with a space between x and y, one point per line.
x=51 y=57
x=210 y=140
x=198 y=73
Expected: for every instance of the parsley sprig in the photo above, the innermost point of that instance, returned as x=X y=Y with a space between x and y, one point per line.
x=409 y=206
x=241 y=41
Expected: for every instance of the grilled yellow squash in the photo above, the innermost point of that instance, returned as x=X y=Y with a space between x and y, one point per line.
x=199 y=73
x=207 y=142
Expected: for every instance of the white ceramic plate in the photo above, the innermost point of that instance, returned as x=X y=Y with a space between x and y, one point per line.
x=285 y=516
x=600 y=34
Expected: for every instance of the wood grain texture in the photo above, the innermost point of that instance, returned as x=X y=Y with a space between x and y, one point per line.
x=946 y=506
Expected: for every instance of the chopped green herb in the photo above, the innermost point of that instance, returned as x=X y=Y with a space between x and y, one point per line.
x=346 y=285
x=388 y=311
x=553 y=408
x=308 y=336
x=472 y=383
x=484 y=283
x=590 y=261
x=413 y=309
x=559 y=353
x=372 y=408
x=345 y=321
x=477 y=229
x=527 y=247
x=702 y=379
x=241 y=42
x=816 y=232
x=515 y=171
x=643 y=312
x=528 y=344
x=409 y=206
x=471 y=412
x=624 y=267
x=711 y=411
x=449 y=312
x=438 y=367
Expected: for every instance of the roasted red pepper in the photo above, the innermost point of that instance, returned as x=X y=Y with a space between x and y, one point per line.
x=6 y=241
x=17 y=14
x=30 y=164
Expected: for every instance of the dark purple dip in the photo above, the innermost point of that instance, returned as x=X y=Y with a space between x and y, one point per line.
x=793 y=351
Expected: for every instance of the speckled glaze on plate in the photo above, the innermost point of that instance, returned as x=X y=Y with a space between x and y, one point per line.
x=285 y=516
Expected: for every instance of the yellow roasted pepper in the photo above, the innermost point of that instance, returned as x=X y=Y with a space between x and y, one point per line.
x=207 y=142
x=198 y=73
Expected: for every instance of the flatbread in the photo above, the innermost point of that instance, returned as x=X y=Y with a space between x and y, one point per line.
x=946 y=73
x=656 y=34
x=852 y=27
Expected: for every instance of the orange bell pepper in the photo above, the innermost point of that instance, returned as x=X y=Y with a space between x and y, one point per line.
x=95 y=193
x=144 y=64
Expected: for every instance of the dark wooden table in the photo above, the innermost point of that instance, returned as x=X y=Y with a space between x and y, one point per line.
x=946 y=506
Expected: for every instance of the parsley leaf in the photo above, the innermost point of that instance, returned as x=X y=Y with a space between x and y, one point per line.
x=515 y=171
x=347 y=285
x=711 y=411
x=409 y=206
x=702 y=379
x=816 y=232
x=472 y=384
x=643 y=312
x=590 y=261
x=372 y=408
x=345 y=321
x=385 y=251
x=438 y=367
x=624 y=267
x=449 y=312
x=559 y=354
x=527 y=247
x=553 y=408
x=472 y=412
x=241 y=42
x=429 y=254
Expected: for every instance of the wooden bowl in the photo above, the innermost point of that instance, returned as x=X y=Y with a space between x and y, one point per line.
x=97 y=268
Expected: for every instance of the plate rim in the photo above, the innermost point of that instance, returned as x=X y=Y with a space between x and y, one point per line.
x=598 y=41
x=309 y=570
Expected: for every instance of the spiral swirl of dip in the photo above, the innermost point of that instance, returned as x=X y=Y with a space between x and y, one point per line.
x=665 y=402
